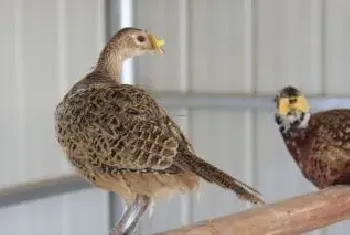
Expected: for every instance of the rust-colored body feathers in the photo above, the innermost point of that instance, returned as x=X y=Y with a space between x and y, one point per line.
x=322 y=150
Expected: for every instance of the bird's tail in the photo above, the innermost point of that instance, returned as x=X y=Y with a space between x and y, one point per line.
x=216 y=176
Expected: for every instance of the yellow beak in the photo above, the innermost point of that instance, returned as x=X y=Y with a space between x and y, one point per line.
x=157 y=44
x=301 y=104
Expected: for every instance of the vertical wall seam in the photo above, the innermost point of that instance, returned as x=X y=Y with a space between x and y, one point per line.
x=250 y=73
x=62 y=87
x=184 y=84
x=189 y=47
x=323 y=46
x=18 y=76
x=102 y=30
x=62 y=56
x=190 y=113
x=322 y=54
x=62 y=47
x=184 y=44
x=252 y=44
x=322 y=60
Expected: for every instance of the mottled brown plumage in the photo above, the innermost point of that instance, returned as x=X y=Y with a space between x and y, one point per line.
x=120 y=139
x=318 y=142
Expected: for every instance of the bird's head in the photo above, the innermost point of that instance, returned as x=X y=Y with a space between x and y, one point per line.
x=126 y=43
x=292 y=109
x=130 y=42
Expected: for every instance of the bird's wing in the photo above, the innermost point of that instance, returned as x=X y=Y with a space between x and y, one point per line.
x=122 y=128
x=151 y=148
x=332 y=144
x=142 y=146
x=335 y=162
x=333 y=130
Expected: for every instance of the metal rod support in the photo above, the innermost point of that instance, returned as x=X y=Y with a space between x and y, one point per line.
x=237 y=101
x=41 y=189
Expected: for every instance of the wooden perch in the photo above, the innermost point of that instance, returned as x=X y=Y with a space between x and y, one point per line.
x=293 y=216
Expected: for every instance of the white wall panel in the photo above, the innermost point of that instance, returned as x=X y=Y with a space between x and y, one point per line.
x=337 y=54
x=220 y=46
x=84 y=212
x=167 y=19
x=40 y=76
x=11 y=220
x=289 y=36
x=46 y=47
x=10 y=98
x=84 y=31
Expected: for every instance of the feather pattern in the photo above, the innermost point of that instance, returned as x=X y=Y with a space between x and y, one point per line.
x=120 y=139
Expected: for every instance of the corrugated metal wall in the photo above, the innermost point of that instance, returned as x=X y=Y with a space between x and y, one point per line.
x=45 y=45
x=242 y=47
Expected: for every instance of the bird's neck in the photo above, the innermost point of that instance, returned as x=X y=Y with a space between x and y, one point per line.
x=111 y=60
x=296 y=137
x=293 y=126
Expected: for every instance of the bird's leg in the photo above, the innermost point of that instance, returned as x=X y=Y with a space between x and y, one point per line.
x=132 y=216
x=150 y=208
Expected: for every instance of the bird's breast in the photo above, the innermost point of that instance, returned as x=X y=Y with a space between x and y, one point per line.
x=300 y=151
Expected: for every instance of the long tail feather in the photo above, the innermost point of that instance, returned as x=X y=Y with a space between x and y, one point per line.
x=216 y=176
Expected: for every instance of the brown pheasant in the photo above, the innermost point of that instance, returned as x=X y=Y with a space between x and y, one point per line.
x=120 y=139
x=318 y=142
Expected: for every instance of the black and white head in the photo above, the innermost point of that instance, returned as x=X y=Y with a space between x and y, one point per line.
x=292 y=109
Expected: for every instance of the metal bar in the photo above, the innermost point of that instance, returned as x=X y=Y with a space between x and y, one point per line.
x=227 y=101
x=41 y=189
x=112 y=17
x=113 y=204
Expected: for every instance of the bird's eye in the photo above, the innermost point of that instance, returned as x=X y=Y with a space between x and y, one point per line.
x=293 y=100
x=141 y=38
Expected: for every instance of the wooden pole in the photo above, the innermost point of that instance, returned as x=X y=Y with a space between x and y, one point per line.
x=292 y=216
